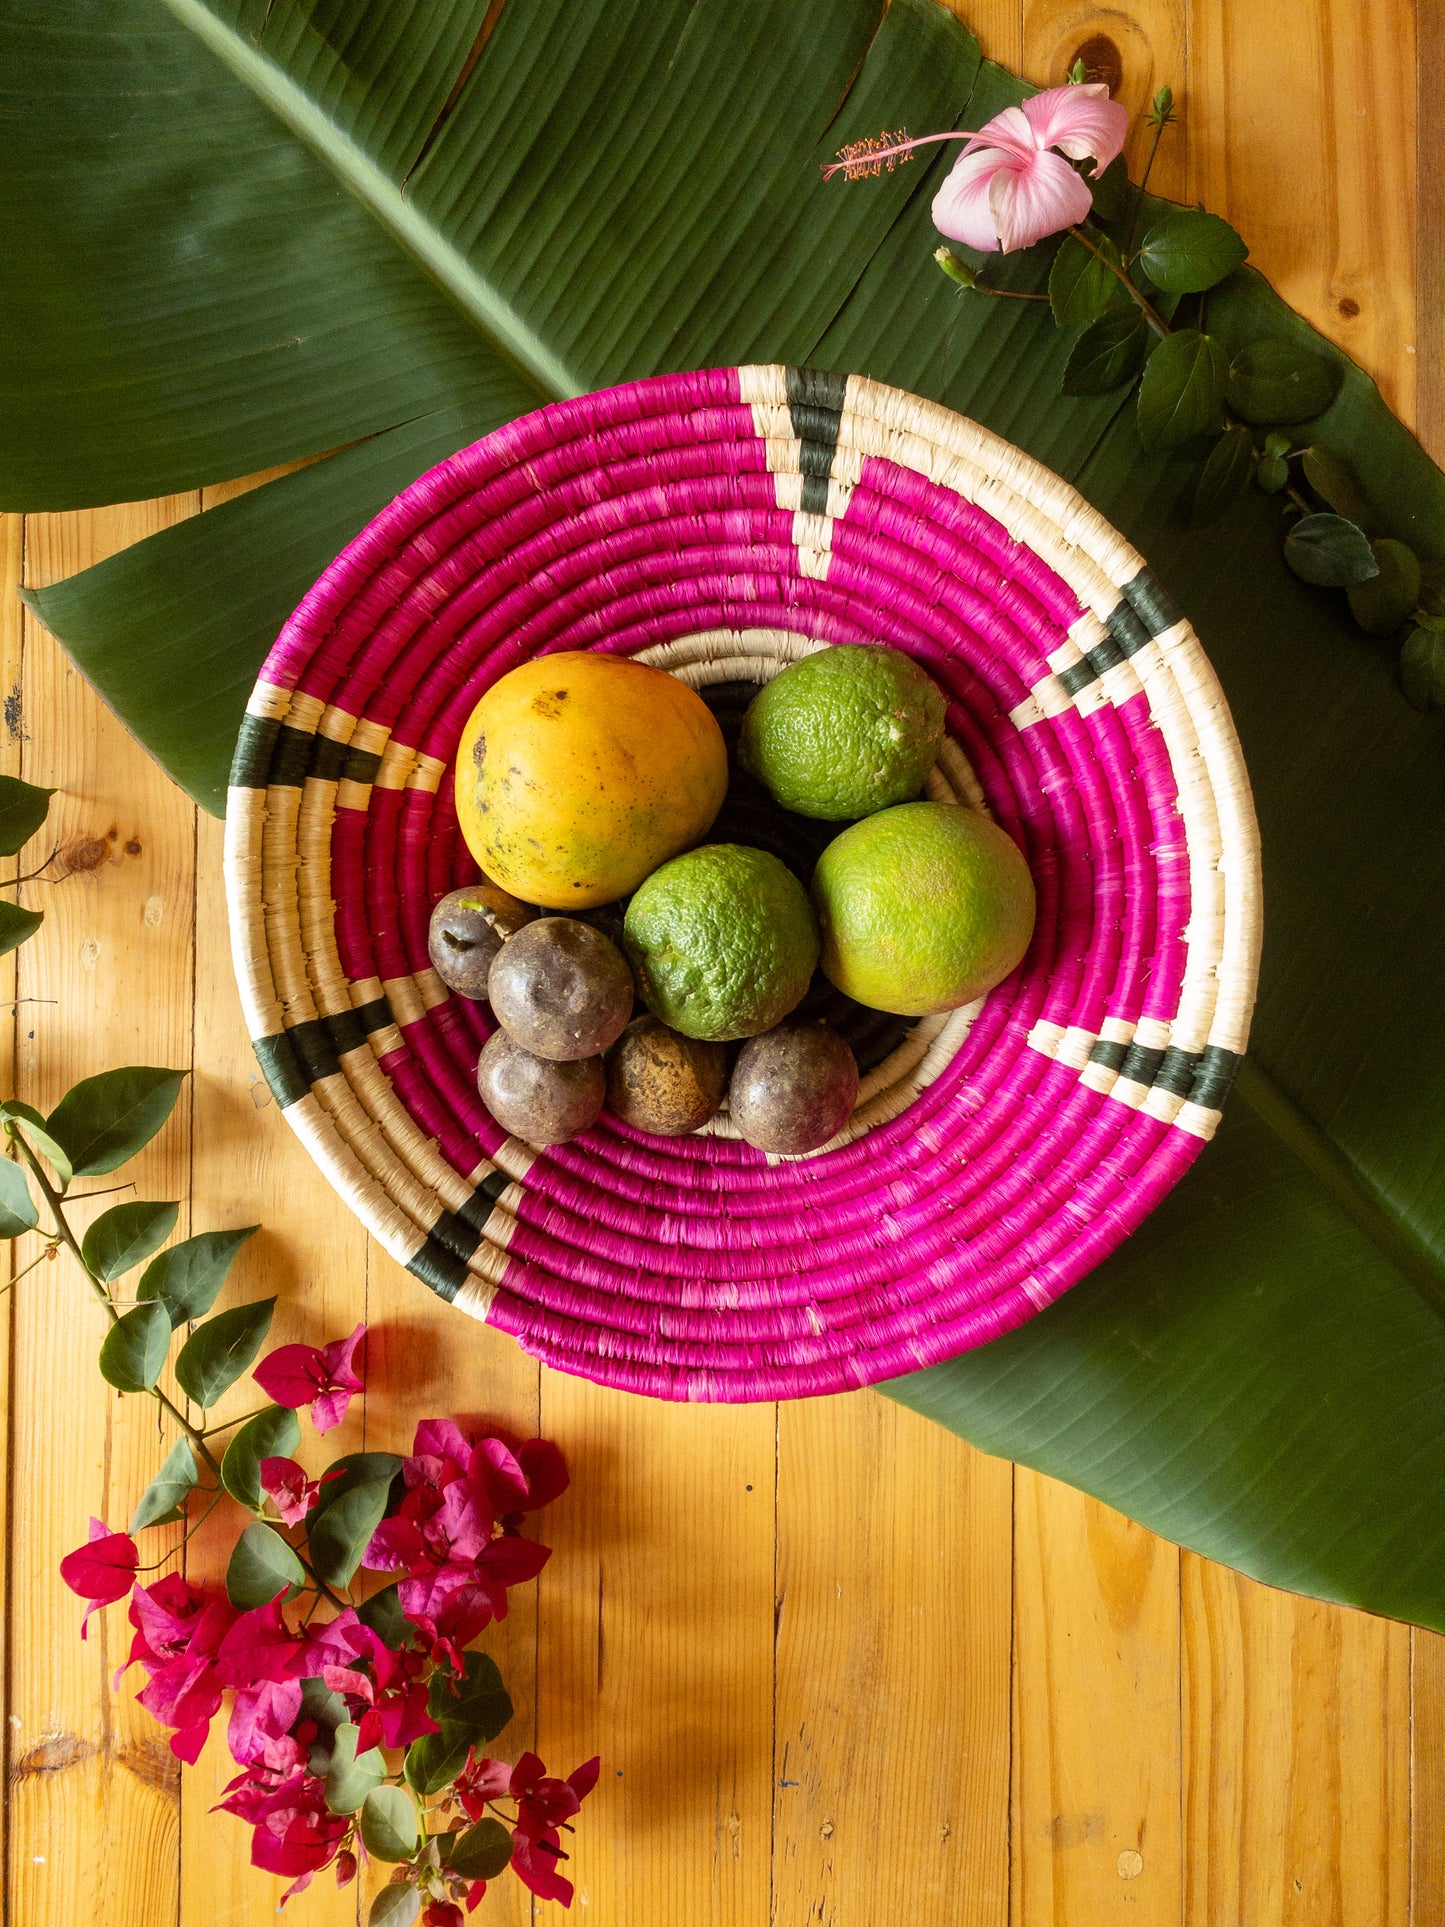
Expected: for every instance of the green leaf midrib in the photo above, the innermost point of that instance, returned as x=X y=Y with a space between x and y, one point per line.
x=479 y=299
x=1343 y=1178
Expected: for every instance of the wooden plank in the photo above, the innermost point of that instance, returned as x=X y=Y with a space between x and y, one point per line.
x=95 y=1796
x=1297 y=1745
x=1427 y=1778
x=891 y=1759
x=1096 y=1714
x=12 y=561
x=655 y=1650
x=1430 y=225
x=1319 y=94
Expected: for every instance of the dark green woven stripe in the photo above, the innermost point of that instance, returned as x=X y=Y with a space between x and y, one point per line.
x=1111 y=1056
x=456 y=1233
x=251 y=764
x=440 y=1268
x=373 y=1016
x=281 y=1070
x=480 y=1205
x=1217 y=1071
x=1141 y=1064
x=1128 y=631
x=360 y=766
x=820 y=387
x=815 y=403
x=1152 y=603
x=291 y=758
x=328 y=758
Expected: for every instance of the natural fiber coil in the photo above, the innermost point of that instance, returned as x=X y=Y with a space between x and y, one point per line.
x=720 y=524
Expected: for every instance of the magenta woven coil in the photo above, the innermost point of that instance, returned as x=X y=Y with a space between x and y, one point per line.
x=720 y=524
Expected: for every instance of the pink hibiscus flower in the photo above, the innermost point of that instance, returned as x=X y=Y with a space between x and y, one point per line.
x=1013 y=183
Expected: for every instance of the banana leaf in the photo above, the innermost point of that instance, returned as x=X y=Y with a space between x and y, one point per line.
x=244 y=232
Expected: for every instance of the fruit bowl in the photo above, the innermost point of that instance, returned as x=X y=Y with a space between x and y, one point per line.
x=718 y=525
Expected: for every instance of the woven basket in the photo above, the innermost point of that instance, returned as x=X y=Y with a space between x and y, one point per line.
x=719 y=525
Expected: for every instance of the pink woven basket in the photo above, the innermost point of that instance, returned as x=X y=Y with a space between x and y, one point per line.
x=719 y=524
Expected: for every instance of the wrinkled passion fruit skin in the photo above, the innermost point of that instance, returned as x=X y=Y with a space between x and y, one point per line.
x=662 y=1082
x=793 y=1088
x=561 y=988
x=536 y=1098
x=467 y=929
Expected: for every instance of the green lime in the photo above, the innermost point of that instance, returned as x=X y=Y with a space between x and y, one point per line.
x=723 y=941
x=923 y=908
x=844 y=732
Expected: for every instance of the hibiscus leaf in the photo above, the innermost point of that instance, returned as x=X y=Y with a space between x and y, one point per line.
x=351 y=1776
x=1182 y=392
x=16 y=925
x=23 y=808
x=1225 y=478
x=1422 y=668
x=1333 y=480
x=480 y=1852
x=477 y=1701
x=1329 y=551
x=1189 y=251
x=102 y=1121
x=1280 y=381
x=1081 y=287
x=435 y=1760
x=272 y=1434
x=135 y=1349
x=339 y=1537
x=17 y=1207
x=216 y=1353
x=262 y=1566
x=388 y=1824
x=125 y=1235
x=351 y=1470
x=383 y=1613
x=394 y=1907
x=1107 y=355
x=165 y=1497
x=188 y=1278
x=1381 y=603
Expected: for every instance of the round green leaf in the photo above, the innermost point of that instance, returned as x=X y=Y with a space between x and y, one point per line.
x=1422 y=667
x=32 y=1127
x=388 y=1823
x=1225 y=478
x=338 y=1535
x=262 y=1565
x=17 y=1207
x=16 y=925
x=435 y=1760
x=1187 y=252
x=1182 y=393
x=353 y=1469
x=394 y=1907
x=1329 y=551
x=1081 y=287
x=164 y=1498
x=135 y=1349
x=23 y=808
x=216 y=1353
x=1382 y=604
x=125 y=1235
x=477 y=1702
x=480 y=1852
x=188 y=1278
x=1272 y=474
x=1279 y=381
x=1107 y=355
x=350 y=1777
x=103 y=1121
x=272 y=1434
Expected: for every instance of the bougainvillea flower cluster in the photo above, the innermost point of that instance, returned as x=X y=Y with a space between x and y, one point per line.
x=358 y=1716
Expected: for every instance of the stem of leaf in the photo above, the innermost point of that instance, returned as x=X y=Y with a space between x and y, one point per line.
x=216 y=1496
x=52 y=1246
x=1143 y=187
x=1151 y=313
x=1007 y=294
x=225 y=1424
x=68 y=1238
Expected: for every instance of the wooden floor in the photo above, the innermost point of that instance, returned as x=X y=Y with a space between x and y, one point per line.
x=841 y=1669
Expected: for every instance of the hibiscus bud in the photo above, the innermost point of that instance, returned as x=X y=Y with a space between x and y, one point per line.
x=954 y=268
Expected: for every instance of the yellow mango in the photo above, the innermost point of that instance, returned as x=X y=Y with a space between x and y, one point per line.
x=578 y=774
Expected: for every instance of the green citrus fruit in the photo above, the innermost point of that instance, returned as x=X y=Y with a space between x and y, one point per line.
x=923 y=908
x=844 y=732
x=723 y=941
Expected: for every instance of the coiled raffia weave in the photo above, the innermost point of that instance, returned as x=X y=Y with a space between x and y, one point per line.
x=719 y=524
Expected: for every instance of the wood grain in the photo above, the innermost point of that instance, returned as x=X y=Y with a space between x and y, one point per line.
x=891 y=1750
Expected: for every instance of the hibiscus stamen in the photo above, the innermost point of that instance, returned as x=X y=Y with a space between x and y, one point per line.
x=865 y=159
